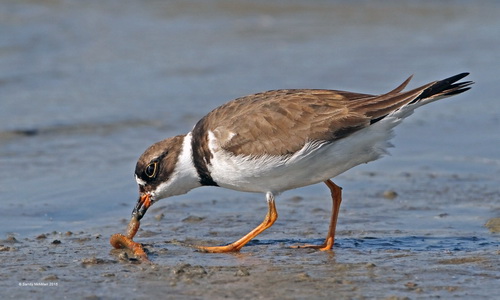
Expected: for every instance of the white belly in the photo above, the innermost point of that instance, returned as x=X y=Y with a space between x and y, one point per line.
x=314 y=163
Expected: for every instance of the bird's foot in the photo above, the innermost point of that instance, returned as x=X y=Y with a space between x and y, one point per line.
x=219 y=249
x=327 y=245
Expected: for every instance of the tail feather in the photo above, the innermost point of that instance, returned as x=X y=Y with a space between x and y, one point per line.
x=445 y=87
x=401 y=87
x=397 y=101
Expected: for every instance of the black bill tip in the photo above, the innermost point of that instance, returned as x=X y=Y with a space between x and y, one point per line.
x=143 y=203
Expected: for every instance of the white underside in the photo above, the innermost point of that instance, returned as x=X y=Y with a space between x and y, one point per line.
x=314 y=163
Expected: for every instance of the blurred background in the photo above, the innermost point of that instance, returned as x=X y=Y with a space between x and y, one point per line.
x=86 y=86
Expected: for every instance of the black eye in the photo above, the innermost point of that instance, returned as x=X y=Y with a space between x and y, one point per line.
x=151 y=169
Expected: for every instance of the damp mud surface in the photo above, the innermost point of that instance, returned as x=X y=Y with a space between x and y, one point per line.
x=385 y=248
x=86 y=86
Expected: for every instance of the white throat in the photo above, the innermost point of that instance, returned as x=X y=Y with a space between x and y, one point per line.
x=184 y=178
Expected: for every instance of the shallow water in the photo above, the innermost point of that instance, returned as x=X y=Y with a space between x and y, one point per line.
x=85 y=87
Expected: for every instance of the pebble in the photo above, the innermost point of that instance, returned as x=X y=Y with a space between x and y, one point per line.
x=193 y=219
x=303 y=276
x=50 y=278
x=411 y=285
x=189 y=271
x=11 y=239
x=296 y=199
x=92 y=261
x=159 y=217
x=41 y=237
x=123 y=256
x=493 y=225
x=242 y=272
x=6 y=248
x=390 y=194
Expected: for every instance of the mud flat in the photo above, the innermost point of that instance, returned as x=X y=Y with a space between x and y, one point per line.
x=397 y=250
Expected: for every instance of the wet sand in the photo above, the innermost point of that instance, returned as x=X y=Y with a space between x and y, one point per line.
x=86 y=86
x=447 y=253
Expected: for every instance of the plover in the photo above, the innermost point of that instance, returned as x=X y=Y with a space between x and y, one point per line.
x=279 y=140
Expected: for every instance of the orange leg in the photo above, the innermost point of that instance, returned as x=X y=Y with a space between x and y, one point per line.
x=336 y=192
x=271 y=217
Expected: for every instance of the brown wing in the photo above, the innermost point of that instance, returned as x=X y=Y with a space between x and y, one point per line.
x=280 y=122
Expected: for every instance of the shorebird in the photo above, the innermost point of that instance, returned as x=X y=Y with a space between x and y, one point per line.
x=279 y=140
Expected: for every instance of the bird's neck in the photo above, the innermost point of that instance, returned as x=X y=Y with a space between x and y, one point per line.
x=185 y=176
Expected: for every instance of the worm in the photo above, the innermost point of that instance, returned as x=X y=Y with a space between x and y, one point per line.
x=120 y=241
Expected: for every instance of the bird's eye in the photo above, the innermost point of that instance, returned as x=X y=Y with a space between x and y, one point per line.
x=151 y=169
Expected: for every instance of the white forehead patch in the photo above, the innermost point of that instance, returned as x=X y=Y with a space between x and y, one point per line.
x=140 y=181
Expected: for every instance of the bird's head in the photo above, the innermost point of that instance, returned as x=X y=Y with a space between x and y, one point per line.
x=157 y=172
